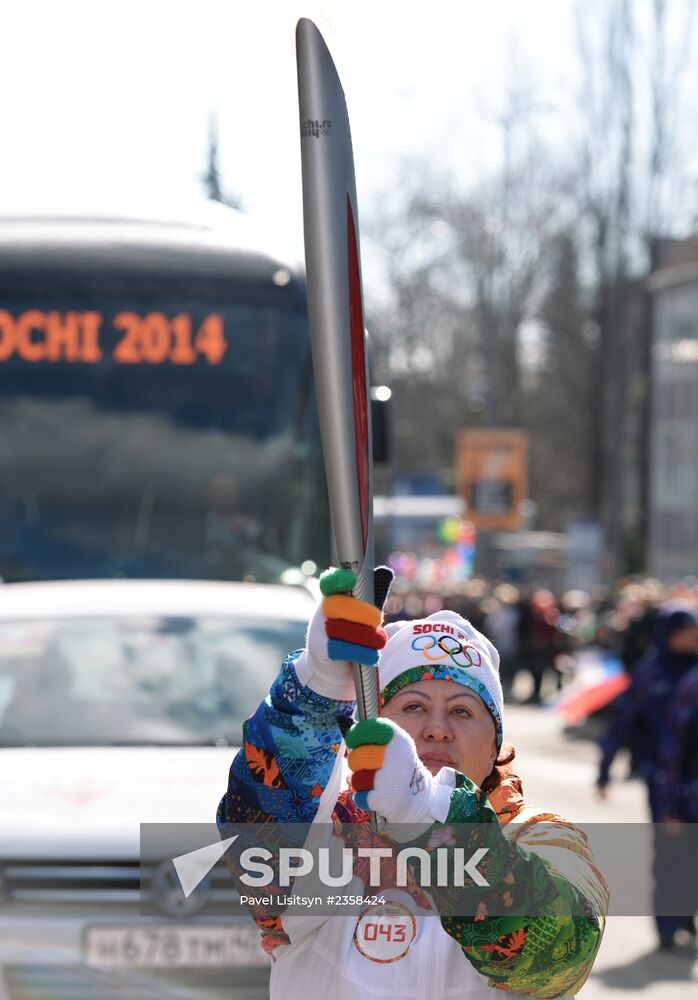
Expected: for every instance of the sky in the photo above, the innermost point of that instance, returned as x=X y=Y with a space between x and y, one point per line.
x=108 y=102
x=105 y=99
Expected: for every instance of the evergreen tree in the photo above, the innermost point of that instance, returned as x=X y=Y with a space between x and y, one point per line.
x=211 y=179
x=560 y=403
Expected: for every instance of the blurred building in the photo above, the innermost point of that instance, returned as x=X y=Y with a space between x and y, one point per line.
x=673 y=470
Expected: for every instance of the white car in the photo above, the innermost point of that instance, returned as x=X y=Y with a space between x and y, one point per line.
x=121 y=703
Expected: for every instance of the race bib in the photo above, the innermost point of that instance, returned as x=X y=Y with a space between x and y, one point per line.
x=384 y=932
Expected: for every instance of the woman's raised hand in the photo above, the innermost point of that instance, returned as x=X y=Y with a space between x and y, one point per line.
x=343 y=631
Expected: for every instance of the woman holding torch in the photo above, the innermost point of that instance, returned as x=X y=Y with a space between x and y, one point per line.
x=435 y=758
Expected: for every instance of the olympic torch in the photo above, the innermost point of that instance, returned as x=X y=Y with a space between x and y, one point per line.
x=335 y=305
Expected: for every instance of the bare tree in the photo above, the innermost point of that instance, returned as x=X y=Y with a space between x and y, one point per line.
x=461 y=282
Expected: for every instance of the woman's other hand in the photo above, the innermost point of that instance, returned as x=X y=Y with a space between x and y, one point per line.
x=388 y=776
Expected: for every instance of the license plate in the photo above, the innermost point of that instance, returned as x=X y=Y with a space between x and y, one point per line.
x=167 y=947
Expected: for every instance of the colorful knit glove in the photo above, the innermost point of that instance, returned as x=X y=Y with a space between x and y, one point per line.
x=342 y=631
x=389 y=777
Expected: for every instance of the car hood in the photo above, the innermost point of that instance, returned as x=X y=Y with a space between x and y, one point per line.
x=89 y=802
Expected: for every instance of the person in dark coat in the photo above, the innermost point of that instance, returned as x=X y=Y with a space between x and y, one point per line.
x=642 y=719
x=677 y=788
x=677 y=778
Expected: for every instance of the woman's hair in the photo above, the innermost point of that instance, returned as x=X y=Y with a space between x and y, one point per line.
x=500 y=771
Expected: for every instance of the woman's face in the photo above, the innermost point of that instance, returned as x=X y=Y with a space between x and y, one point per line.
x=449 y=724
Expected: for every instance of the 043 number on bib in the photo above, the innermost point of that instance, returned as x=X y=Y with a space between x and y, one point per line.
x=384 y=932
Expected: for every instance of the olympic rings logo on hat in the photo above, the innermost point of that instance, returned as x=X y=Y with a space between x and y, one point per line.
x=448 y=649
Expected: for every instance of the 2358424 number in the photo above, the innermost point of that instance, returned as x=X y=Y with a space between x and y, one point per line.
x=153 y=339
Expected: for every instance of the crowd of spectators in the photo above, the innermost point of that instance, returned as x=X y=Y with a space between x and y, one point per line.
x=537 y=632
x=648 y=632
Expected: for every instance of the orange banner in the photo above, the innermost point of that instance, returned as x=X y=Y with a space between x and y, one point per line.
x=492 y=476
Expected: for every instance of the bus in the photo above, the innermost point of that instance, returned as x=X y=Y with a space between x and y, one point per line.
x=157 y=412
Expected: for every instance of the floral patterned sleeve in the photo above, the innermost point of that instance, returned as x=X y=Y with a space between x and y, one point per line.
x=543 y=862
x=289 y=749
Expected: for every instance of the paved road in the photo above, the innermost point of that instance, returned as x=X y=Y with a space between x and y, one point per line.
x=558 y=772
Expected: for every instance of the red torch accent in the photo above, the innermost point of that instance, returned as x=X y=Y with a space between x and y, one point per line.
x=358 y=364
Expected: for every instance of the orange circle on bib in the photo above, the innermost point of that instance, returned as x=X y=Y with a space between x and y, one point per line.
x=384 y=932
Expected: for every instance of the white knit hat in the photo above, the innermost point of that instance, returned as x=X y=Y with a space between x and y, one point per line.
x=443 y=646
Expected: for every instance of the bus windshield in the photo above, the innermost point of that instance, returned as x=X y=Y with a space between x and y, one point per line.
x=157 y=424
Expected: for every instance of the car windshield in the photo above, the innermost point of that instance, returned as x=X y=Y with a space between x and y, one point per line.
x=146 y=680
